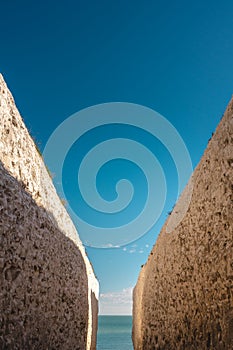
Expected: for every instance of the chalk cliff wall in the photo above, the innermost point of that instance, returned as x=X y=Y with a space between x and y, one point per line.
x=183 y=298
x=48 y=291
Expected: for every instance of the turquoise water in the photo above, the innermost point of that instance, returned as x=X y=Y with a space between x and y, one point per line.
x=114 y=333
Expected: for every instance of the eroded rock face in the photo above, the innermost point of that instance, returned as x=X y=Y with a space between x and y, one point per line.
x=48 y=291
x=184 y=295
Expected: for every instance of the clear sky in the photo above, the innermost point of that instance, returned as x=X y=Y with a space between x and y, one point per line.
x=174 y=57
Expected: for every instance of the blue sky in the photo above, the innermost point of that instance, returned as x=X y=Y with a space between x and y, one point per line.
x=173 y=57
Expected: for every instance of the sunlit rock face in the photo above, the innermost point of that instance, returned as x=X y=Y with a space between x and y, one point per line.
x=184 y=295
x=48 y=291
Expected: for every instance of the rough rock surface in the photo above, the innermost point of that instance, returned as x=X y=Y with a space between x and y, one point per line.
x=48 y=291
x=183 y=298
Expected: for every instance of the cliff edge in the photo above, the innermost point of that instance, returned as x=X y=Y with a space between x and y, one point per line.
x=48 y=290
x=183 y=298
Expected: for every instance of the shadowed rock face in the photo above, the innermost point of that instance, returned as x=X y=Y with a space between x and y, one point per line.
x=48 y=291
x=43 y=280
x=184 y=295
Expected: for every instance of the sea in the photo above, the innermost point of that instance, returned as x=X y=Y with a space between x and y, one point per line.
x=114 y=333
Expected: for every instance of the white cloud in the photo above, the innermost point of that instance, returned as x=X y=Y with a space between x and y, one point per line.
x=124 y=249
x=132 y=251
x=109 y=245
x=147 y=245
x=141 y=251
x=116 y=303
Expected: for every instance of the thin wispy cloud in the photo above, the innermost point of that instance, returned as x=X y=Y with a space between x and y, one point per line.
x=116 y=303
x=131 y=251
x=109 y=245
